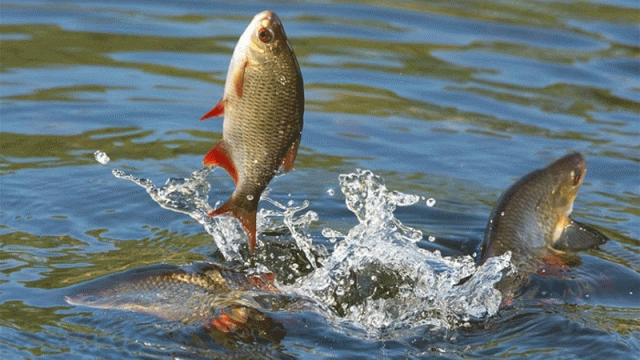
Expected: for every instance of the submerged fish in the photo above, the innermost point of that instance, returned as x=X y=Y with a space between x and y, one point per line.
x=531 y=219
x=203 y=293
x=263 y=105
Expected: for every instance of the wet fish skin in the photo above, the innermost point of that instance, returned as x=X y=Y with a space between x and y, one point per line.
x=195 y=294
x=263 y=107
x=531 y=219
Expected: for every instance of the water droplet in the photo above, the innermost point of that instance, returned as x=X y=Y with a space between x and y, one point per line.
x=432 y=238
x=249 y=197
x=101 y=157
x=331 y=192
x=431 y=202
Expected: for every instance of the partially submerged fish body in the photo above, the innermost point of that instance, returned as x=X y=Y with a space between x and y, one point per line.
x=531 y=219
x=191 y=295
x=263 y=106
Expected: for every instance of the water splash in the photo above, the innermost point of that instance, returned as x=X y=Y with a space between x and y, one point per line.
x=297 y=226
x=377 y=278
x=191 y=196
x=101 y=157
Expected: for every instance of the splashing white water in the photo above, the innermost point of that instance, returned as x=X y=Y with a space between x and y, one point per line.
x=191 y=196
x=376 y=278
x=101 y=157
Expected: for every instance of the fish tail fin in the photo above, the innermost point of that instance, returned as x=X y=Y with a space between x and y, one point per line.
x=247 y=218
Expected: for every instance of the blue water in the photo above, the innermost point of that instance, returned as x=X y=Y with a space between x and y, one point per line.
x=445 y=100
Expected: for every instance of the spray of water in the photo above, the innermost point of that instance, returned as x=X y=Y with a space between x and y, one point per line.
x=377 y=278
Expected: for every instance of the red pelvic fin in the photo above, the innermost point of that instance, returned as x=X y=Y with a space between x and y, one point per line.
x=247 y=219
x=263 y=282
x=290 y=157
x=229 y=321
x=238 y=78
x=218 y=110
x=220 y=156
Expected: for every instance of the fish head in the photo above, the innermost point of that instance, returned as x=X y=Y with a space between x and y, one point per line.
x=567 y=173
x=533 y=213
x=264 y=38
x=100 y=294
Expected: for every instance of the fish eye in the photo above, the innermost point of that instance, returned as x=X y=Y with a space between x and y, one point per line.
x=265 y=35
x=577 y=176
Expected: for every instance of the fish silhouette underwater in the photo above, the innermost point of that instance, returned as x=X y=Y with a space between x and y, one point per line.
x=203 y=293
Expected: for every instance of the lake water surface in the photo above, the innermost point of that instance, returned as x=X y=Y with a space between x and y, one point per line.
x=428 y=110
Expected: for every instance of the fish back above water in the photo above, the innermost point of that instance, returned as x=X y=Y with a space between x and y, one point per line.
x=263 y=106
x=531 y=218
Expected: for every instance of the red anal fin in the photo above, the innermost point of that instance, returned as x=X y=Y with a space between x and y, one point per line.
x=217 y=110
x=238 y=78
x=290 y=156
x=247 y=219
x=219 y=156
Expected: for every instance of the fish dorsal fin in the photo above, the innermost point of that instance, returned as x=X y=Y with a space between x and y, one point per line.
x=220 y=156
x=238 y=78
x=217 y=110
x=290 y=157
x=577 y=236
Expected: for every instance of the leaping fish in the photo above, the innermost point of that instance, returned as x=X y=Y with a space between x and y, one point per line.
x=263 y=106
x=531 y=218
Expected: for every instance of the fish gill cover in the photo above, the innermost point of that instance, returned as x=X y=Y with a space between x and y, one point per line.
x=376 y=279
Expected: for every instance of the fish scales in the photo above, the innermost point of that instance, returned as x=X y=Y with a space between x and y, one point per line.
x=263 y=106
x=530 y=216
x=257 y=135
x=531 y=220
x=170 y=292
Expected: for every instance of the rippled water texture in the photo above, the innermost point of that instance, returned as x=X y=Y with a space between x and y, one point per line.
x=446 y=104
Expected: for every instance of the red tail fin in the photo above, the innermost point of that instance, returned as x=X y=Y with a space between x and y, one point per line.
x=247 y=218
